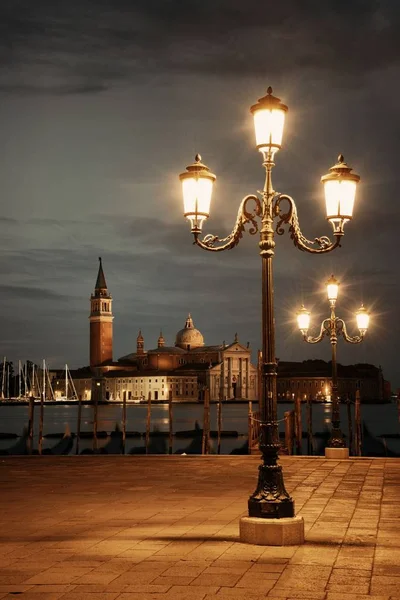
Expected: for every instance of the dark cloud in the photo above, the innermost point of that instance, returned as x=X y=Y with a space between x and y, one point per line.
x=28 y=293
x=98 y=44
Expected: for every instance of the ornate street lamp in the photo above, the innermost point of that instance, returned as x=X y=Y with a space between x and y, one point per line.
x=332 y=328
x=270 y=500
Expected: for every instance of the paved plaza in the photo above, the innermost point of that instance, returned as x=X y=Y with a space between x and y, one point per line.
x=166 y=528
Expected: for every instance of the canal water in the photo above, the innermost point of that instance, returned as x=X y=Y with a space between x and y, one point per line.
x=379 y=420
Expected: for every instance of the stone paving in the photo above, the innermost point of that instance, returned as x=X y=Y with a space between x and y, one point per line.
x=166 y=528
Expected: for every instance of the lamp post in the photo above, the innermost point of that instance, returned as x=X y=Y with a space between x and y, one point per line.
x=332 y=327
x=270 y=501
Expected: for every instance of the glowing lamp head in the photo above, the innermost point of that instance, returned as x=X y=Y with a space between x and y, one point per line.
x=197 y=184
x=269 y=119
x=362 y=318
x=303 y=319
x=340 y=191
x=332 y=288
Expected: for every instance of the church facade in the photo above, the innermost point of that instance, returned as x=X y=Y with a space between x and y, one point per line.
x=184 y=370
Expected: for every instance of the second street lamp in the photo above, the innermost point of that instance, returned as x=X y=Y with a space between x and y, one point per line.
x=270 y=502
x=332 y=328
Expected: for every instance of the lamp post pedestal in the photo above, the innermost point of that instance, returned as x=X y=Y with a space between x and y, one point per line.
x=337 y=453
x=272 y=532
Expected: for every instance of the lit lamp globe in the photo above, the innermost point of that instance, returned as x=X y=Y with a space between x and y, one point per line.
x=340 y=191
x=362 y=318
x=303 y=319
x=332 y=288
x=269 y=118
x=197 y=184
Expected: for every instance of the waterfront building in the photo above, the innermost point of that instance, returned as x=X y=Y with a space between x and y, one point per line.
x=186 y=369
x=313 y=377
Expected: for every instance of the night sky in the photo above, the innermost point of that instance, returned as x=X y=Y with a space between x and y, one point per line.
x=103 y=103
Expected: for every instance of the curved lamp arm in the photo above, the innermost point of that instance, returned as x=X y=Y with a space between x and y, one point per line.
x=325 y=330
x=356 y=339
x=244 y=216
x=290 y=218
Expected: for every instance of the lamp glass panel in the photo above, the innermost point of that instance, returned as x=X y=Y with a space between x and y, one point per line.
x=362 y=320
x=331 y=189
x=333 y=290
x=339 y=198
x=347 y=196
x=303 y=320
x=268 y=125
x=197 y=196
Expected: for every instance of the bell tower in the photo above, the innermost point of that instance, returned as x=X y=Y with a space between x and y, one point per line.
x=101 y=318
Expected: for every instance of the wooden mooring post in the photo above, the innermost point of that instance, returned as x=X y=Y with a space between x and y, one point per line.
x=41 y=418
x=171 y=433
x=289 y=430
x=298 y=424
x=310 y=439
x=148 y=422
x=250 y=426
x=78 y=424
x=95 y=417
x=31 y=414
x=206 y=423
x=357 y=419
x=349 y=425
x=123 y=421
x=219 y=423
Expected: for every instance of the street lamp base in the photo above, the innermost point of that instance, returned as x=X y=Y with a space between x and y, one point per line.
x=272 y=532
x=337 y=453
x=271 y=509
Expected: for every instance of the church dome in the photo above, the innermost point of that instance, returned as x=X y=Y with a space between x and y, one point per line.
x=189 y=337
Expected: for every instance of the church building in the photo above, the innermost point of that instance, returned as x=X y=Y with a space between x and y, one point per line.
x=186 y=369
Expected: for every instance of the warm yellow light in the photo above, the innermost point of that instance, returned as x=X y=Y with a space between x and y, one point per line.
x=303 y=319
x=269 y=119
x=362 y=318
x=339 y=198
x=197 y=185
x=340 y=191
x=332 y=288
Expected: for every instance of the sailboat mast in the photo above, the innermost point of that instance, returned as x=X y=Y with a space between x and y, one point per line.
x=8 y=381
x=3 y=375
x=66 y=382
x=33 y=380
x=19 y=378
x=44 y=380
x=52 y=397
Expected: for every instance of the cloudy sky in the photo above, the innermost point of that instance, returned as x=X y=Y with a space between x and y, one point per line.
x=104 y=102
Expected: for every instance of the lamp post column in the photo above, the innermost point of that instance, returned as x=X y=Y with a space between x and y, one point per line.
x=270 y=500
x=336 y=440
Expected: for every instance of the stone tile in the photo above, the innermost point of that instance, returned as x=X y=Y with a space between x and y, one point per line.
x=352 y=596
x=235 y=594
x=298 y=594
x=178 y=592
x=32 y=596
x=217 y=579
x=147 y=588
x=91 y=596
x=349 y=588
x=312 y=555
x=260 y=567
